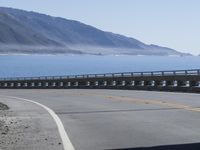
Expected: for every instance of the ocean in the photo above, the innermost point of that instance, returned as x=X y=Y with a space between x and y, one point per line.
x=57 y=65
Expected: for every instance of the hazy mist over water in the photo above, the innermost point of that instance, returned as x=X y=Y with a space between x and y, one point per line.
x=50 y=65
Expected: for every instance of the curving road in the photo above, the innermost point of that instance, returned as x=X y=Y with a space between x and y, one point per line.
x=120 y=119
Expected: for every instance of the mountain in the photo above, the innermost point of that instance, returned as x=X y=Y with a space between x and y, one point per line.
x=29 y=32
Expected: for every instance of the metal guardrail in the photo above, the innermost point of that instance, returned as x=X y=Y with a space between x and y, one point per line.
x=120 y=74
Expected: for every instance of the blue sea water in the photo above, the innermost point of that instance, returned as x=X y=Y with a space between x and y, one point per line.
x=50 y=65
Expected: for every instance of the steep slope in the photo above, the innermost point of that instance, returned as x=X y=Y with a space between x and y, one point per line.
x=33 y=32
x=14 y=32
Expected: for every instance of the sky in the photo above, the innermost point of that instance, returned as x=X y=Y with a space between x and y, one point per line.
x=170 y=23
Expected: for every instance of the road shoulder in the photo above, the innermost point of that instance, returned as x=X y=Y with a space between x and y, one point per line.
x=26 y=126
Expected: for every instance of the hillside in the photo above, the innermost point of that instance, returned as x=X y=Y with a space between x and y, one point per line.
x=30 y=32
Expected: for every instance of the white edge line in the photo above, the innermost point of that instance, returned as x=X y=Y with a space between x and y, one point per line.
x=67 y=145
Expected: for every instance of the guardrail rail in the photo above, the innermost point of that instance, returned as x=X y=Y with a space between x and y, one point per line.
x=175 y=80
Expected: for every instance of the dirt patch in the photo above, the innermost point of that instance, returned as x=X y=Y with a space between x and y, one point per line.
x=3 y=106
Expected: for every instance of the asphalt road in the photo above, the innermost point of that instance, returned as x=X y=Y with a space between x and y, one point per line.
x=120 y=119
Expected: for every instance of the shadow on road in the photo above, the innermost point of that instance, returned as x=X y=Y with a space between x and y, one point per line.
x=192 y=146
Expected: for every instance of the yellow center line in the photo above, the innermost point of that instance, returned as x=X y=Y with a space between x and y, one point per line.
x=147 y=101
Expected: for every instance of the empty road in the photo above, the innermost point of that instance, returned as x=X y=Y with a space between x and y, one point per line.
x=115 y=119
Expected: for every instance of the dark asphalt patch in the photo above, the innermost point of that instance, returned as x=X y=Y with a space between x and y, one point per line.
x=3 y=107
x=115 y=111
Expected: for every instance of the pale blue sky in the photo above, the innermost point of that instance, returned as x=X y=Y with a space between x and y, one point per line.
x=171 y=23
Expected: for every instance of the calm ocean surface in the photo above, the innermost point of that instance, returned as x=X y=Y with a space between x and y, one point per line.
x=48 y=65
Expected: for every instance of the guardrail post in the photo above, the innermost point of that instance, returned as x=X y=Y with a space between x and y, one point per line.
x=105 y=83
x=198 y=72
x=186 y=72
x=132 y=83
x=96 y=83
x=132 y=74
